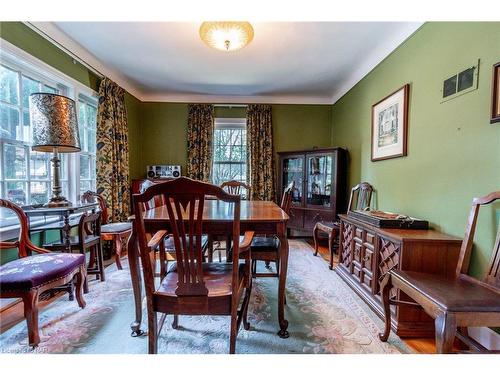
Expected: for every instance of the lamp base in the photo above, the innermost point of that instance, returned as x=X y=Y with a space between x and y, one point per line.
x=58 y=202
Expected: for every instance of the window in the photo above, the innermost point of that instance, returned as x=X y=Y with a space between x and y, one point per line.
x=87 y=125
x=230 y=150
x=25 y=175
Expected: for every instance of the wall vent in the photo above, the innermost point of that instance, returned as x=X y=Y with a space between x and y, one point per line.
x=461 y=83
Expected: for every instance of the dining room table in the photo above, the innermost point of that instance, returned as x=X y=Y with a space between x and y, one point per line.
x=261 y=217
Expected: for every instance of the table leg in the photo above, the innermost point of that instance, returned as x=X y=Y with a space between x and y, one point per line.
x=66 y=229
x=135 y=275
x=282 y=235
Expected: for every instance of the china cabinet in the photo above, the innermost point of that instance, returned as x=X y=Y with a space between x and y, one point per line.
x=320 y=185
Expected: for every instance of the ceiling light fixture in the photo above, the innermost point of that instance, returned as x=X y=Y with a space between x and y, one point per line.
x=227 y=35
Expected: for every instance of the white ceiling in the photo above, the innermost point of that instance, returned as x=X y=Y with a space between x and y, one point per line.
x=287 y=62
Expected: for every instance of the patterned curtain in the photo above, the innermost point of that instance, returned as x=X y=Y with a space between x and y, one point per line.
x=112 y=150
x=199 y=141
x=260 y=152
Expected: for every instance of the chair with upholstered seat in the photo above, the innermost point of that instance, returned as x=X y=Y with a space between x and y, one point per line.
x=266 y=248
x=455 y=303
x=191 y=286
x=30 y=275
x=118 y=233
x=359 y=200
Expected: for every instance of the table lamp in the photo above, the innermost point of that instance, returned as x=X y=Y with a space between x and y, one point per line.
x=55 y=129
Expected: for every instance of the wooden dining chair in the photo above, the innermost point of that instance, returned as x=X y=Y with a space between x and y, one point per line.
x=192 y=287
x=266 y=248
x=359 y=200
x=237 y=188
x=30 y=275
x=88 y=238
x=117 y=233
x=454 y=303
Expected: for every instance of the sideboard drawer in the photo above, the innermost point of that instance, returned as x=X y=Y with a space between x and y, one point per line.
x=296 y=218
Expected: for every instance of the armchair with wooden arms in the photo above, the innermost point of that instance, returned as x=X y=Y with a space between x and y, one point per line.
x=360 y=199
x=192 y=287
x=455 y=303
x=30 y=275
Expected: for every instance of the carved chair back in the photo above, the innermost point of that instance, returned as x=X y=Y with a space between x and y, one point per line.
x=89 y=225
x=156 y=201
x=186 y=198
x=286 y=200
x=235 y=188
x=23 y=244
x=492 y=277
x=361 y=196
x=90 y=196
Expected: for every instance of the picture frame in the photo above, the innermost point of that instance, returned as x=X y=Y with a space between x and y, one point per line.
x=495 y=94
x=389 y=132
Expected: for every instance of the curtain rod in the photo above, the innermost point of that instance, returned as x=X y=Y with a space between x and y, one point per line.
x=64 y=49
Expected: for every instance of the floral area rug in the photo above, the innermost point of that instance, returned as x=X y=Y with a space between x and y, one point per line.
x=324 y=314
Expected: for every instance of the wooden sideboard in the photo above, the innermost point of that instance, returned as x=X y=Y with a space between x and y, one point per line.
x=367 y=253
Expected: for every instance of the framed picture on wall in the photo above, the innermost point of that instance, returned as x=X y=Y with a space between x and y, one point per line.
x=495 y=94
x=390 y=125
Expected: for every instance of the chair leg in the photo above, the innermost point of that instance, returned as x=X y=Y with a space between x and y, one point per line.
x=80 y=277
x=92 y=260
x=385 y=290
x=330 y=247
x=118 y=252
x=100 y=261
x=316 y=240
x=175 y=323
x=246 y=302
x=234 y=330
x=210 y=249
x=30 y=301
x=152 y=332
x=446 y=328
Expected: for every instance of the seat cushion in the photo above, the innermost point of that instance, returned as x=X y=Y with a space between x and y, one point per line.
x=36 y=270
x=116 y=227
x=217 y=278
x=451 y=294
x=260 y=243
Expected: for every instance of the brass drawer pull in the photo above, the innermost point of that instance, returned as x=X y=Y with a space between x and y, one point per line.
x=366 y=258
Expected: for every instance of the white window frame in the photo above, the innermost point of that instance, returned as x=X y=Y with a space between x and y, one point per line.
x=18 y=60
x=228 y=123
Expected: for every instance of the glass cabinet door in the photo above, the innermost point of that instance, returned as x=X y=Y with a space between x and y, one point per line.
x=319 y=179
x=293 y=170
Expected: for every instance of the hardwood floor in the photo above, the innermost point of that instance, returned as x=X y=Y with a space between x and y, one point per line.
x=14 y=314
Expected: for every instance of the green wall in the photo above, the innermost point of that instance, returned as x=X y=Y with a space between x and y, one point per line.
x=164 y=130
x=453 y=150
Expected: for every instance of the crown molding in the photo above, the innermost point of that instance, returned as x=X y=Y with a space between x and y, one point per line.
x=236 y=99
x=57 y=37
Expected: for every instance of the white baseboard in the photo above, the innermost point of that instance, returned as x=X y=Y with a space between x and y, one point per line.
x=486 y=337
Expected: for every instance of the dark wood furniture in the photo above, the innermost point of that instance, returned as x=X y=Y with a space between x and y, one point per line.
x=193 y=287
x=458 y=302
x=88 y=238
x=360 y=199
x=117 y=233
x=368 y=253
x=320 y=185
x=266 y=248
x=30 y=275
x=261 y=217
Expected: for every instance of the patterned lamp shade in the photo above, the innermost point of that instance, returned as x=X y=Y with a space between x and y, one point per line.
x=54 y=122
